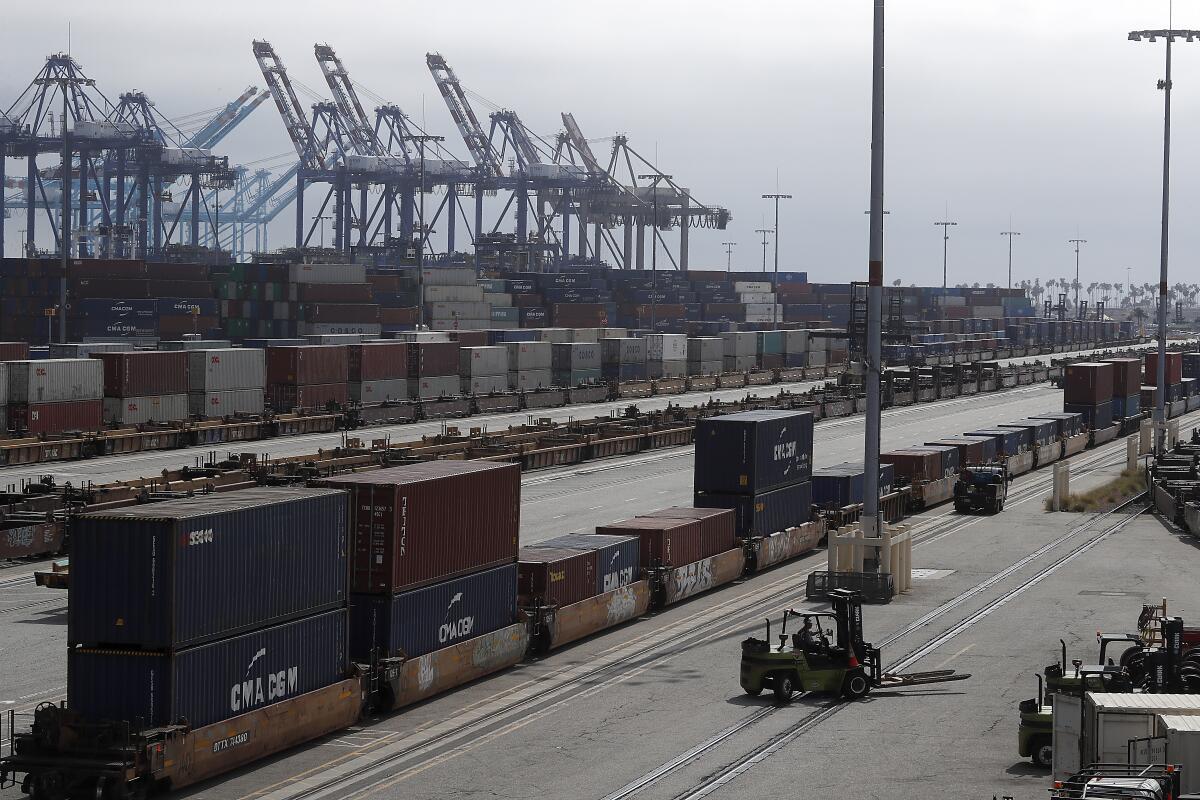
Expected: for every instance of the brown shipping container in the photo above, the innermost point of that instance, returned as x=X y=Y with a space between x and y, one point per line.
x=665 y=541
x=1127 y=376
x=970 y=451
x=427 y=359
x=144 y=372
x=14 y=351
x=718 y=526
x=916 y=466
x=128 y=288
x=305 y=364
x=178 y=272
x=106 y=268
x=395 y=316
x=423 y=523
x=1174 y=370
x=335 y=293
x=555 y=576
x=470 y=338
x=341 y=312
x=285 y=396
x=71 y=415
x=1088 y=383
x=178 y=324
x=180 y=288
x=375 y=361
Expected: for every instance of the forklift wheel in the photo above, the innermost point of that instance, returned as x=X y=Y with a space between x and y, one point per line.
x=1043 y=752
x=755 y=692
x=856 y=685
x=783 y=688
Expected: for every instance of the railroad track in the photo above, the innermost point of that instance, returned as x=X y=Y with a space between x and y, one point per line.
x=34 y=604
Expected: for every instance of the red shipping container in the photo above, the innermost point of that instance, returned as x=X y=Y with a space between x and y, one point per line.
x=1088 y=383
x=397 y=316
x=106 y=268
x=424 y=523
x=14 y=351
x=718 y=526
x=176 y=324
x=470 y=338
x=375 y=361
x=71 y=415
x=1174 y=370
x=917 y=466
x=335 y=293
x=431 y=359
x=556 y=576
x=1127 y=376
x=665 y=541
x=143 y=373
x=970 y=451
x=307 y=364
x=159 y=288
x=527 y=300
x=341 y=312
x=385 y=283
x=285 y=397
x=170 y=271
x=128 y=288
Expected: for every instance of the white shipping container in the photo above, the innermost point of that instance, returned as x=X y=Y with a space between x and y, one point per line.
x=666 y=347
x=421 y=336
x=449 y=310
x=713 y=367
x=738 y=363
x=675 y=368
x=755 y=298
x=55 y=380
x=433 y=388
x=136 y=410
x=190 y=344
x=575 y=356
x=453 y=294
x=818 y=358
x=484 y=384
x=327 y=273
x=795 y=341
x=231 y=368
x=85 y=349
x=1176 y=741
x=338 y=332
x=225 y=403
x=764 y=309
x=459 y=324
x=591 y=335
x=447 y=276
x=379 y=391
x=610 y=333
x=623 y=351
x=752 y=286
x=705 y=348
x=1110 y=721
x=555 y=335
x=527 y=380
x=740 y=343
x=529 y=355
x=477 y=361
x=498 y=299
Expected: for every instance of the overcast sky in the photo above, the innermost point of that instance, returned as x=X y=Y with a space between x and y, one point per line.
x=1035 y=109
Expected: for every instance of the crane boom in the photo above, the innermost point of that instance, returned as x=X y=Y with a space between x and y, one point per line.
x=460 y=110
x=228 y=127
x=358 y=126
x=580 y=144
x=518 y=135
x=200 y=137
x=289 y=106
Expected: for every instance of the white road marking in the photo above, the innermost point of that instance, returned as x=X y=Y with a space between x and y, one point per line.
x=956 y=655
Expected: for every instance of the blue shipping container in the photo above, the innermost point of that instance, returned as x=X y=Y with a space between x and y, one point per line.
x=766 y=512
x=434 y=617
x=753 y=451
x=842 y=484
x=1126 y=406
x=618 y=557
x=1097 y=417
x=174 y=574
x=212 y=682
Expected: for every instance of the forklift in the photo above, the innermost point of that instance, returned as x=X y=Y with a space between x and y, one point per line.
x=982 y=488
x=832 y=659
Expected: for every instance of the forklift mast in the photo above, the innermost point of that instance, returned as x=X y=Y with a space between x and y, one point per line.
x=847 y=608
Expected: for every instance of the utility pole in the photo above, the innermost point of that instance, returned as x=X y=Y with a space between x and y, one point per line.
x=65 y=233
x=1010 y=235
x=873 y=526
x=946 y=225
x=728 y=255
x=775 y=283
x=1076 y=242
x=764 y=232
x=655 y=178
x=1160 y=415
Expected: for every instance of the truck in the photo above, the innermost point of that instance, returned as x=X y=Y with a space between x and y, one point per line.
x=981 y=488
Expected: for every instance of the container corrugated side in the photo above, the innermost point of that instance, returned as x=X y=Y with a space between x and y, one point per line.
x=142 y=373
x=482 y=361
x=764 y=513
x=1009 y=441
x=618 y=557
x=753 y=451
x=914 y=466
x=414 y=623
x=139 y=410
x=69 y=415
x=422 y=523
x=432 y=359
x=378 y=391
x=575 y=356
x=664 y=542
x=373 y=361
x=180 y=572
x=556 y=576
x=718 y=528
x=285 y=397
x=307 y=365
x=211 y=682
x=55 y=380
x=231 y=368
x=226 y=403
x=530 y=355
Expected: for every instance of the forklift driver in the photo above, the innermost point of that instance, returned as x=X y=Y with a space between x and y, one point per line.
x=810 y=638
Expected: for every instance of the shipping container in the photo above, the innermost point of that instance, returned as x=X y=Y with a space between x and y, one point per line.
x=1127 y=376
x=914 y=466
x=675 y=540
x=286 y=397
x=410 y=526
x=211 y=682
x=433 y=387
x=531 y=355
x=971 y=451
x=1096 y=417
x=842 y=485
x=706 y=349
x=177 y=573
x=149 y=408
x=433 y=359
x=666 y=347
x=143 y=373
x=327 y=273
x=740 y=344
x=55 y=380
x=226 y=403
x=220 y=370
x=618 y=557
x=1041 y=431
x=555 y=576
x=67 y=415
x=623 y=351
x=1069 y=424
x=483 y=361
x=949 y=457
x=1126 y=407
x=412 y=624
x=1009 y=441
x=764 y=513
x=571 y=356
x=84 y=349
x=310 y=364
x=374 y=361
x=14 y=351
x=378 y=391
x=1173 y=370
x=1088 y=383
x=753 y=451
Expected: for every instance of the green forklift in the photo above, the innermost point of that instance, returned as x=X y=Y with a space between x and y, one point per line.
x=828 y=654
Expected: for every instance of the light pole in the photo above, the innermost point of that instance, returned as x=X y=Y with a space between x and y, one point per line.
x=873 y=527
x=775 y=283
x=1076 y=242
x=655 y=178
x=1010 y=235
x=946 y=226
x=1169 y=34
x=421 y=139
x=764 y=232
x=728 y=255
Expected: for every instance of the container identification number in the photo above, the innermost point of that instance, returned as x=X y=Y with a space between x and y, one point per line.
x=200 y=537
x=785 y=451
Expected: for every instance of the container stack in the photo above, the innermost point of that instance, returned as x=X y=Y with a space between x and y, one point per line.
x=758 y=298
x=1173 y=373
x=795 y=348
x=143 y=386
x=741 y=351
x=675 y=537
x=666 y=355
x=758 y=463
x=530 y=365
x=1191 y=365
x=770 y=346
x=51 y=395
x=433 y=369
x=453 y=300
x=484 y=370
x=1088 y=390
x=307 y=377
x=378 y=371
x=1127 y=387
x=624 y=359
x=575 y=363
x=225 y=382
x=614 y=561
x=428 y=570
x=705 y=355
x=173 y=596
x=841 y=485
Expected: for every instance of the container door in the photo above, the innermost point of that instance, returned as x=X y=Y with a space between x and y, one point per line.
x=1115 y=731
x=1066 y=736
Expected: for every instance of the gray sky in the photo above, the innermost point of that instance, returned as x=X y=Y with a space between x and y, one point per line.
x=1041 y=110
